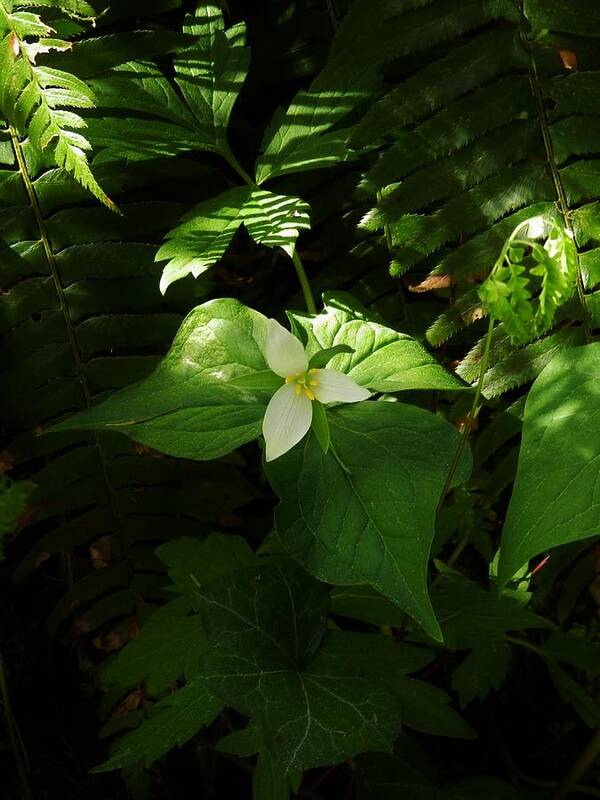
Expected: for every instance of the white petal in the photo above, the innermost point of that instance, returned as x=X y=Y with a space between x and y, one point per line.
x=335 y=387
x=286 y=421
x=283 y=352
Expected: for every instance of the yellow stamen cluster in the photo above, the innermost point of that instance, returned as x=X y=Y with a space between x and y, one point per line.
x=303 y=382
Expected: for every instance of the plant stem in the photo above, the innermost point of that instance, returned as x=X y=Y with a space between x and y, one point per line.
x=579 y=768
x=562 y=201
x=472 y=416
x=235 y=164
x=304 y=284
x=15 y=743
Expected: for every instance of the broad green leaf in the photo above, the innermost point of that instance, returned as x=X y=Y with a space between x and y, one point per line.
x=243 y=743
x=320 y=426
x=268 y=781
x=210 y=73
x=383 y=359
x=268 y=659
x=205 y=233
x=473 y=617
x=556 y=489
x=426 y=709
x=174 y=720
x=484 y=669
x=15 y=496
x=187 y=407
x=364 y=512
x=168 y=647
x=192 y=562
x=365 y=604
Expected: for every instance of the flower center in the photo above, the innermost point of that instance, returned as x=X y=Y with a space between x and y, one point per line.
x=304 y=381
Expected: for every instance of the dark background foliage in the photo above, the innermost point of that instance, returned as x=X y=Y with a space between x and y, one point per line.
x=81 y=575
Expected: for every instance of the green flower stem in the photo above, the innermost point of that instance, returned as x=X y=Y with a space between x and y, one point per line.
x=13 y=735
x=579 y=768
x=304 y=284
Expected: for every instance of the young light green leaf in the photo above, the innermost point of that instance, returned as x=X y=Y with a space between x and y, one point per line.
x=373 y=497
x=205 y=233
x=556 y=488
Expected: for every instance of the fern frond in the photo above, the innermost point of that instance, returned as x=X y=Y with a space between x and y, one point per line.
x=33 y=99
x=445 y=196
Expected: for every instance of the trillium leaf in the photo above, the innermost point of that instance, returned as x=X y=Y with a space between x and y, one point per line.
x=556 y=494
x=201 y=239
x=382 y=359
x=270 y=658
x=188 y=407
x=364 y=512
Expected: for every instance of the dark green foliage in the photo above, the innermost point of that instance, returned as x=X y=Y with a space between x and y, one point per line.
x=394 y=619
x=493 y=125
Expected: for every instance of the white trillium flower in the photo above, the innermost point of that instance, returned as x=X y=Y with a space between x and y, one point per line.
x=289 y=413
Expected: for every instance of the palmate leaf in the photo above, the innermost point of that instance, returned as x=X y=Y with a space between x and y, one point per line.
x=452 y=133
x=270 y=658
x=555 y=493
x=204 y=235
x=37 y=100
